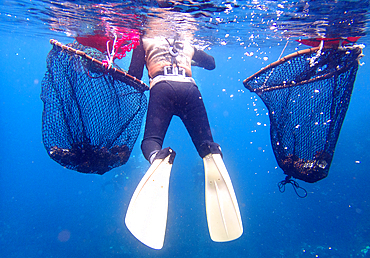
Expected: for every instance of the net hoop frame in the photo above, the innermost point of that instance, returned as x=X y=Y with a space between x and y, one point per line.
x=290 y=56
x=138 y=84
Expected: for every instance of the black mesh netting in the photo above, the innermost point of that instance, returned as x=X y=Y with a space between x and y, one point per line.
x=92 y=116
x=307 y=95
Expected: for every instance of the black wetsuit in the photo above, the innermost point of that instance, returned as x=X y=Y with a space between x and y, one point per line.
x=183 y=99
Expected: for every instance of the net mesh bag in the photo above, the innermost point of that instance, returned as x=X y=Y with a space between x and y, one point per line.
x=307 y=95
x=92 y=115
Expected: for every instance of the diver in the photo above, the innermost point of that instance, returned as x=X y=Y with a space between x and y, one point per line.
x=168 y=55
x=173 y=92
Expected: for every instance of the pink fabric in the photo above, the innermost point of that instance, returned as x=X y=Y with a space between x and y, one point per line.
x=127 y=40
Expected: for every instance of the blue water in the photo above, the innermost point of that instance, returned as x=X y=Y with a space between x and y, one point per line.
x=49 y=211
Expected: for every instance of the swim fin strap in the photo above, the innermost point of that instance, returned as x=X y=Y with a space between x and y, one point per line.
x=223 y=215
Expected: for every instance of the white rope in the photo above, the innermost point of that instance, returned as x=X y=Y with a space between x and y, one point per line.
x=110 y=55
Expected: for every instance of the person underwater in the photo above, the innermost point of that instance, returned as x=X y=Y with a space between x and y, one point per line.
x=168 y=54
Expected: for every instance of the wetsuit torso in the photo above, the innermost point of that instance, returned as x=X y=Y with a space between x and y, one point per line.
x=155 y=54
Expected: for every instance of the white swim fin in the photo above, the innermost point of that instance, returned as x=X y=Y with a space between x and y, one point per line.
x=223 y=215
x=146 y=216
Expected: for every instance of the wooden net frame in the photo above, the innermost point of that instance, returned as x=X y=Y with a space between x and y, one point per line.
x=286 y=59
x=131 y=80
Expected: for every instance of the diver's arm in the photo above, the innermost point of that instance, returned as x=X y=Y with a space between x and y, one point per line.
x=137 y=62
x=204 y=60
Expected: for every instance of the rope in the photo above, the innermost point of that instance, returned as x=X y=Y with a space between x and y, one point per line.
x=295 y=185
x=121 y=44
x=174 y=52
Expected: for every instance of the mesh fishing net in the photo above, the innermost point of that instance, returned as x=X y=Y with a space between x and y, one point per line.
x=307 y=94
x=92 y=115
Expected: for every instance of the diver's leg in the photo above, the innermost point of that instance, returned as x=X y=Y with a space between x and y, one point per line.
x=195 y=119
x=159 y=115
x=223 y=215
x=146 y=215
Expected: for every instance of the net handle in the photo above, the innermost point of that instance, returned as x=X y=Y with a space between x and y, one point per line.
x=143 y=86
